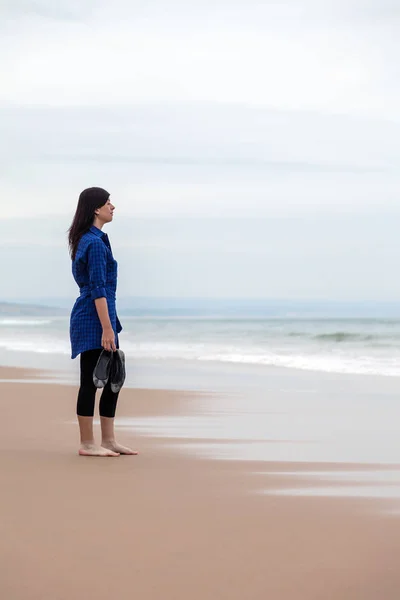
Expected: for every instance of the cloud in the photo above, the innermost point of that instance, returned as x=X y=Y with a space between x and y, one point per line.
x=191 y=134
x=325 y=10
x=210 y=107
x=200 y=159
x=343 y=257
x=283 y=115
x=72 y=10
x=329 y=56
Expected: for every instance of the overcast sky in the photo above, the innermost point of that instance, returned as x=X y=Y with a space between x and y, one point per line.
x=202 y=109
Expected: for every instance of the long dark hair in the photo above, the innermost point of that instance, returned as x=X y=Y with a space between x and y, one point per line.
x=89 y=200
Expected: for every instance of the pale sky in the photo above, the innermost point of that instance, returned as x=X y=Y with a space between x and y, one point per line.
x=203 y=109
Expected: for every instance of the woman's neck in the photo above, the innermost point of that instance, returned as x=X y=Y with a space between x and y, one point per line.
x=97 y=223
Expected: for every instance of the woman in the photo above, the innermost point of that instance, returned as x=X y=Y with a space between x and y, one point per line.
x=94 y=323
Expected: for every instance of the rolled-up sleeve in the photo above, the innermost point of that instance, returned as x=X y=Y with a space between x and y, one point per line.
x=97 y=267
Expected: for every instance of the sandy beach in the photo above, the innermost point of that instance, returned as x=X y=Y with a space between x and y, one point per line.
x=167 y=524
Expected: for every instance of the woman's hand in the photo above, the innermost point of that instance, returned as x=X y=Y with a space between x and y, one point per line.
x=108 y=339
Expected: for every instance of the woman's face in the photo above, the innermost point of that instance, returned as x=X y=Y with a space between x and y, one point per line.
x=105 y=212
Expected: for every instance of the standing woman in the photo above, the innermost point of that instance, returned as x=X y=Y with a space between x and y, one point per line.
x=94 y=324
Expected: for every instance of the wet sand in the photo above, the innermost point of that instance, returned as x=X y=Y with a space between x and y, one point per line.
x=166 y=524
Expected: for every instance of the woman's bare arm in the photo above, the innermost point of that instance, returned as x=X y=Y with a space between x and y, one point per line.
x=108 y=337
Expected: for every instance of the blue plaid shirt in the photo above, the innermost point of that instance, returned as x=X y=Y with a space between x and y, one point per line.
x=95 y=271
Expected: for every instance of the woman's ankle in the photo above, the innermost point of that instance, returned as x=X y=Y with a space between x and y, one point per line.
x=88 y=443
x=107 y=441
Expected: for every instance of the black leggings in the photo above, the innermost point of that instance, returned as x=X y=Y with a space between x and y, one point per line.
x=87 y=391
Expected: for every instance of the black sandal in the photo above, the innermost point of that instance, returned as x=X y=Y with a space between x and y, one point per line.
x=117 y=373
x=101 y=372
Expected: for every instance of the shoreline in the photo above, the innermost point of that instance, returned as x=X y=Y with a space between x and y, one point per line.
x=167 y=523
x=143 y=373
x=252 y=346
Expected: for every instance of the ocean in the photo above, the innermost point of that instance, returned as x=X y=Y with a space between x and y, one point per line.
x=330 y=345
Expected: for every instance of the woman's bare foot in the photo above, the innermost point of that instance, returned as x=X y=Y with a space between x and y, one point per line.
x=93 y=450
x=118 y=448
